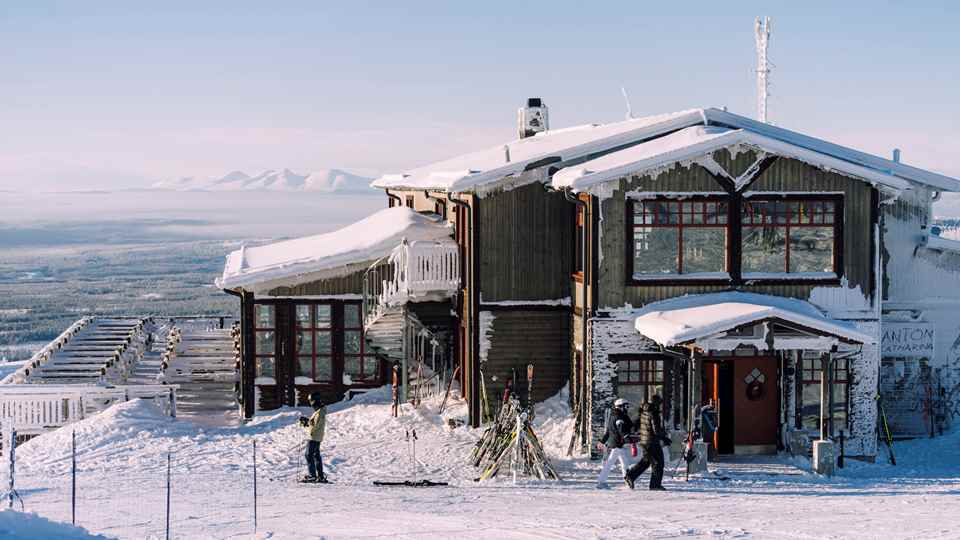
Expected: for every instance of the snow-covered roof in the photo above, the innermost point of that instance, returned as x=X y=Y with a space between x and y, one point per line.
x=472 y=171
x=694 y=145
x=329 y=255
x=688 y=318
x=475 y=171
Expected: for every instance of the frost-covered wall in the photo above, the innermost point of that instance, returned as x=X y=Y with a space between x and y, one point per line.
x=610 y=333
x=864 y=373
x=922 y=285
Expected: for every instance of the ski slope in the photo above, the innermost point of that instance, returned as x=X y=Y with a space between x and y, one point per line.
x=122 y=459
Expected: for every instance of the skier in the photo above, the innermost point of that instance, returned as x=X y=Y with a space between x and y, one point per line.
x=651 y=434
x=314 y=427
x=619 y=427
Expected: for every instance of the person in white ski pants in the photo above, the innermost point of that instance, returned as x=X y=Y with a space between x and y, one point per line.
x=615 y=437
x=621 y=454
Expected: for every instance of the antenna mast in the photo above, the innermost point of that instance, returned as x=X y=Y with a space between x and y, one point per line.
x=763 y=66
x=626 y=98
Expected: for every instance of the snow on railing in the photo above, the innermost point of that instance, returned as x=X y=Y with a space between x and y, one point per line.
x=32 y=409
x=421 y=269
x=43 y=355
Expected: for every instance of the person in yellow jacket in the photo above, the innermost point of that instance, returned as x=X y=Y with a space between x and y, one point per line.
x=314 y=427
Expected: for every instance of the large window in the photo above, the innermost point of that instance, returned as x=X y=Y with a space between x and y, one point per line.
x=265 y=335
x=314 y=341
x=680 y=237
x=792 y=236
x=638 y=379
x=809 y=398
x=358 y=364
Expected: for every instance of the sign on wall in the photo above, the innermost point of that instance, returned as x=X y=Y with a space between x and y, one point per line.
x=908 y=339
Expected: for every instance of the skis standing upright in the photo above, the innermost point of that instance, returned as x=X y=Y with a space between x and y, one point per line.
x=887 y=436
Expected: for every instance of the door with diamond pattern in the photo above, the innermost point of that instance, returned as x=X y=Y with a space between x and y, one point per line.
x=756 y=404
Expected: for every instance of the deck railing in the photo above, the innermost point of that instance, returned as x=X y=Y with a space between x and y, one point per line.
x=414 y=270
x=32 y=409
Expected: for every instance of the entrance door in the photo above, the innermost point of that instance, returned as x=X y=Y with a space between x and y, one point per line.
x=755 y=405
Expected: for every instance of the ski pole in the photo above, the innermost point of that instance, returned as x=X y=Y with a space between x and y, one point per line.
x=300 y=450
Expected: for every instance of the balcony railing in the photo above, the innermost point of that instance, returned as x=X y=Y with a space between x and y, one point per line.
x=419 y=270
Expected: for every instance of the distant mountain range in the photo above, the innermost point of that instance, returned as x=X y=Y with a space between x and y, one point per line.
x=324 y=181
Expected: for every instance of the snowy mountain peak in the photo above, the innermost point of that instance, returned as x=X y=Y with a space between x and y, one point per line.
x=323 y=180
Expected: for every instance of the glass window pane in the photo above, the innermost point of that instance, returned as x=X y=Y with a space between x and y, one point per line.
x=305 y=342
x=764 y=249
x=305 y=366
x=265 y=367
x=371 y=367
x=351 y=366
x=704 y=250
x=351 y=342
x=324 y=368
x=655 y=251
x=323 y=316
x=303 y=316
x=263 y=316
x=811 y=249
x=351 y=315
x=265 y=343
x=324 y=343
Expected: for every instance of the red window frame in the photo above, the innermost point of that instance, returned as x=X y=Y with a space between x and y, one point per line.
x=684 y=214
x=365 y=359
x=315 y=330
x=782 y=216
x=257 y=330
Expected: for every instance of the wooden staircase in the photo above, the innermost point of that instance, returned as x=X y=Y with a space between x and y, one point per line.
x=203 y=364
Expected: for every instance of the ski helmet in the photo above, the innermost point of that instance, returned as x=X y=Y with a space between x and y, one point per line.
x=620 y=402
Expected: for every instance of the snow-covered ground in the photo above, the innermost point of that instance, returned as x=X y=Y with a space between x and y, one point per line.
x=16 y=525
x=122 y=460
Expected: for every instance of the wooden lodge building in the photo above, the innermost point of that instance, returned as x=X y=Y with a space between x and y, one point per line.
x=698 y=255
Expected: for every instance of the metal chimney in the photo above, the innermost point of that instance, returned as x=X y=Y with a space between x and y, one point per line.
x=533 y=119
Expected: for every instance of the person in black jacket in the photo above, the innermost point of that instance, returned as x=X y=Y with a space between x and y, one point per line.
x=651 y=437
x=619 y=428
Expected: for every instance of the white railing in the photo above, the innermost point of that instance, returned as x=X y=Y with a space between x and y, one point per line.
x=414 y=270
x=32 y=409
x=43 y=355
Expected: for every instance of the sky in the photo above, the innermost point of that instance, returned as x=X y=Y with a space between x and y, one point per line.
x=121 y=94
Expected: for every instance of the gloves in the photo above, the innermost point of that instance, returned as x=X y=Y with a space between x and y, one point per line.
x=303 y=420
x=667 y=441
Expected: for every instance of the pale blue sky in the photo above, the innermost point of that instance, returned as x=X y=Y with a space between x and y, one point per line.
x=99 y=94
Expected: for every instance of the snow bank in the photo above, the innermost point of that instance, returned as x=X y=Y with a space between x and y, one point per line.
x=27 y=526
x=331 y=254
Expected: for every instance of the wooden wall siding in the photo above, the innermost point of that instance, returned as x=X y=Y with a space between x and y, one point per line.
x=525 y=244
x=735 y=166
x=519 y=338
x=783 y=175
x=349 y=284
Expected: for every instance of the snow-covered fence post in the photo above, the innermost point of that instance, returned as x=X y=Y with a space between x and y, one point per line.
x=73 y=477
x=173 y=403
x=13 y=464
x=168 y=495
x=255 y=485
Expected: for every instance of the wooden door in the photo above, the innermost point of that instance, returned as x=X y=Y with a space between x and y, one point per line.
x=756 y=404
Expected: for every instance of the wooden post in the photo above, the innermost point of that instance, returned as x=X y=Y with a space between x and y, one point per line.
x=695 y=389
x=73 y=477
x=830 y=378
x=824 y=383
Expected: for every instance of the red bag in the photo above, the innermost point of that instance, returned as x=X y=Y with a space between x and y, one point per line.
x=633 y=449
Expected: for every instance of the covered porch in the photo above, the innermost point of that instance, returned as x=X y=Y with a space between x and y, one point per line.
x=752 y=373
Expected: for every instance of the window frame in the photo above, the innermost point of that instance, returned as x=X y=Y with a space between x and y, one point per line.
x=838 y=244
x=364 y=355
x=809 y=375
x=315 y=330
x=735 y=203
x=649 y=366
x=678 y=279
x=257 y=329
